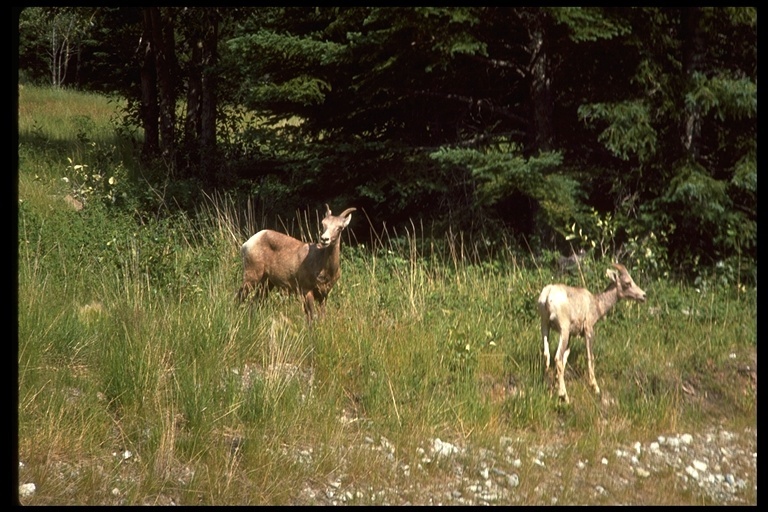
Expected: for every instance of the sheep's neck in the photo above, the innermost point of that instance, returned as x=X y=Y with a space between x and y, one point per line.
x=606 y=300
x=330 y=255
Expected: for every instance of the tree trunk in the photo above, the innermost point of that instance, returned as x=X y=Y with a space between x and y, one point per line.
x=541 y=138
x=208 y=115
x=150 y=112
x=163 y=39
x=541 y=86
x=194 y=101
x=692 y=59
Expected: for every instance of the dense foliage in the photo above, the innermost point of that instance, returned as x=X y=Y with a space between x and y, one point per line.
x=627 y=130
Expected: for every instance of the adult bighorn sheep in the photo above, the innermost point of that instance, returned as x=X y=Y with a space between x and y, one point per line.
x=575 y=311
x=273 y=259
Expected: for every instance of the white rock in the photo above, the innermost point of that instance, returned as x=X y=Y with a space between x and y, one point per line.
x=700 y=466
x=692 y=472
x=686 y=438
x=604 y=461
x=580 y=465
x=642 y=473
x=637 y=446
x=654 y=446
x=26 y=490
x=513 y=480
x=443 y=449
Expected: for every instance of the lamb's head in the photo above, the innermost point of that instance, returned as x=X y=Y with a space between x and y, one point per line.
x=333 y=225
x=625 y=284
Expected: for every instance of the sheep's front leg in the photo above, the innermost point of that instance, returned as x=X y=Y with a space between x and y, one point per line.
x=561 y=357
x=545 y=334
x=590 y=365
x=309 y=305
x=320 y=305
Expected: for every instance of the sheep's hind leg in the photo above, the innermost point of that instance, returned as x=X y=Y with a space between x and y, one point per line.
x=545 y=334
x=245 y=291
x=590 y=365
x=561 y=357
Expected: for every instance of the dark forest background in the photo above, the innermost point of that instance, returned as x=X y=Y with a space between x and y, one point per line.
x=623 y=130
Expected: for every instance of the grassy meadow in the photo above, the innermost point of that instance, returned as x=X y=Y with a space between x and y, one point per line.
x=140 y=381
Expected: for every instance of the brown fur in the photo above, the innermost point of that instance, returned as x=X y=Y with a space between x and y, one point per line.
x=273 y=259
x=575 y=311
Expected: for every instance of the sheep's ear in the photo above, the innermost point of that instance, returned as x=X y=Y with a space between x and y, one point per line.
x=347 y=219
x=612 y=274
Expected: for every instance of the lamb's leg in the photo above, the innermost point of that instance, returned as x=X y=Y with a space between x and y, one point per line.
x=545 y=334
x=561 y=357
x=253 y=278
x=590 y=364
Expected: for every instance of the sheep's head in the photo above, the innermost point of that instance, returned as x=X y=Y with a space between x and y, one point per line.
x=625 y=284
x=333 y=225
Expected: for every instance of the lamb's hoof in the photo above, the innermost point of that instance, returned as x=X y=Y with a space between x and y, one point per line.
x=564 y=399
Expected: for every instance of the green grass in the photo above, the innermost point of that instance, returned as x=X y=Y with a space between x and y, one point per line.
x=129 y=339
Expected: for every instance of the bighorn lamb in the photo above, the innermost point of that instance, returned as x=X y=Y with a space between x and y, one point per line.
x=273 y=259
x=575 y=311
